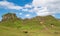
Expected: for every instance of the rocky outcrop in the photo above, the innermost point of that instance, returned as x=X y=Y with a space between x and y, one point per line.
x=9 y=16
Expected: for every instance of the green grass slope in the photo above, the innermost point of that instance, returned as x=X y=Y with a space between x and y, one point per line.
x=37 y=26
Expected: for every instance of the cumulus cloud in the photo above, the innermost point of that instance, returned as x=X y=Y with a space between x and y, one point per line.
x=9 y=5
x=43 y=12
x=37 y=3
x=40 y=7
x=28 y=6
x=49 y=7
x=54 y=6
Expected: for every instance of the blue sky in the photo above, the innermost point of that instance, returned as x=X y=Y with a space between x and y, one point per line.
x=20 y=2
x=30 y=8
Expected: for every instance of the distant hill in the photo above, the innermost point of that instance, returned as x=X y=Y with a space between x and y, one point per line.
x=10 y=19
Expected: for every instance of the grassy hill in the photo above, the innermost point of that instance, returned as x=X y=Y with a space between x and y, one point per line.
x=36 y=26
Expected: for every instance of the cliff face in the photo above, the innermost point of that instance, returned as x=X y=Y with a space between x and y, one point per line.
x=9 y=16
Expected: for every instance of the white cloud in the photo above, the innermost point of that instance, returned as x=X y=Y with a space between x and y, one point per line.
x=24 y=9
x=9 y=5
x=27 y=15
x=49 y=7
x=37 y=3
x=20 y=13
x=28 y=6
x=54 y=6
x=43 y=12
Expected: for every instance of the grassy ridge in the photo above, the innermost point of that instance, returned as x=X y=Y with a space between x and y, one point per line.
x=30 y=27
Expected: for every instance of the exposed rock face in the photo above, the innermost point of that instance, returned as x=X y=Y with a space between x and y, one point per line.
x=9 y=16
